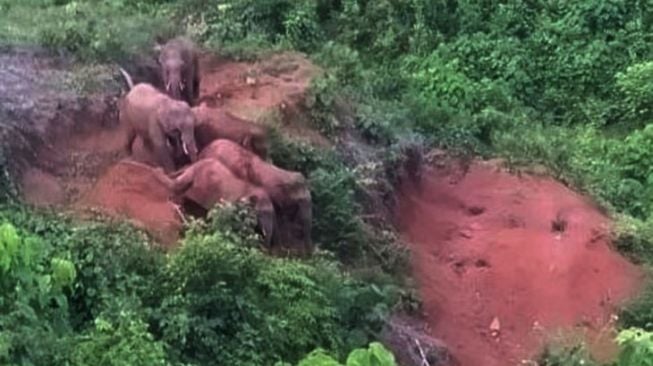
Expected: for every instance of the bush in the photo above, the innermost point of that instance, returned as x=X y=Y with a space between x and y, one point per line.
x=260 y=299
x=375 y=355
x=336 y=226
x=33 y=279
x=95 y=293
x=126 y=343
x=635 y=84
x=102 y=31
x=636 y=347
x=381 y=122
x=320 y=101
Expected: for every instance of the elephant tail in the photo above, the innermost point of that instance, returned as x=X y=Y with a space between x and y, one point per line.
x=128 y=79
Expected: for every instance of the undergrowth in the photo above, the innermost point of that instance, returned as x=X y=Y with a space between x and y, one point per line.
x=96 y=293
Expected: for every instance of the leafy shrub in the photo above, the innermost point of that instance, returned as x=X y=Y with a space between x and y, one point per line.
x=100 y=294
x=375 y=355
x=103 y=31
x=336 y=226
x=320 y=100
x=301 y=26
x=636 y=347
x=381 y=122
x=117 y=270
x=126 y=343
x=226 y=302
x=32 y=301
x=235 y=220
x=635 y=84
x=439 y=81
x=344 y=62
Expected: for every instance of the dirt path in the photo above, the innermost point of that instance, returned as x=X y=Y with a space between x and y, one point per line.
x=526 y=254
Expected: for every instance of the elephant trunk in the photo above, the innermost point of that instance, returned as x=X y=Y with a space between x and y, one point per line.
x=174 y=86
x=188 y=146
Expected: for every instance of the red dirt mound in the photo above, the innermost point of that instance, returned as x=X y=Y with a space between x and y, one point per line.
x=133 y=191
x=503 y=262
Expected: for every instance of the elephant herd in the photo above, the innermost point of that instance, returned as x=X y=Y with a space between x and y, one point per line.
x=209 y=155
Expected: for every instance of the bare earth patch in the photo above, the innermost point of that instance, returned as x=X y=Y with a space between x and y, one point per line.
x=504 y=263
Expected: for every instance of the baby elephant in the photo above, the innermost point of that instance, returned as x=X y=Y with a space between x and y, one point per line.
x=208 y=181
x=165 y=125
x=288 y=190
x=214 y=124
x=179 y=62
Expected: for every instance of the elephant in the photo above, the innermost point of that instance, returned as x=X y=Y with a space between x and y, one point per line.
x=214 y=124
x=208 y=181
x=179 y=62
x=165 y=125
x=288 y=191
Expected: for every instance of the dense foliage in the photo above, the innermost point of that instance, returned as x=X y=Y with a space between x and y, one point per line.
x=95 y=294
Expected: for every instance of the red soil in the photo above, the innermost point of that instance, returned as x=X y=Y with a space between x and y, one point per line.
x=271 y=91
x=132 y=190
x=486 y=246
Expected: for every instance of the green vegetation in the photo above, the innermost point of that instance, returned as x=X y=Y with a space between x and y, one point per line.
x=564 y=84
x=92 y=293
x=374 y=355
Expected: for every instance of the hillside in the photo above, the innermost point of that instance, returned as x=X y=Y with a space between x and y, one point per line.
x=479 y=179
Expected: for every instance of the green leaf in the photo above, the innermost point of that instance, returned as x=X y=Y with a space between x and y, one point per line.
x=359 y=357
x=380 y=355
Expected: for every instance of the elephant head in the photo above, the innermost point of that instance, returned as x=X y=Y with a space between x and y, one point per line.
x=171 y=67
x=179 y=69
x=178 y=124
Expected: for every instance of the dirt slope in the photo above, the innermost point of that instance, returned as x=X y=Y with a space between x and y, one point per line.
x=132 y=191
x=79 y=167
x=526 y=251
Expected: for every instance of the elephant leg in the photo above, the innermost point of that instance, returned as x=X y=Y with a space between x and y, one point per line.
x=305 y=219
x=266 y=222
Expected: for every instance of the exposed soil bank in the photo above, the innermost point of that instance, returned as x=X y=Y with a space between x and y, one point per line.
x=504 y=262
x=80 y=164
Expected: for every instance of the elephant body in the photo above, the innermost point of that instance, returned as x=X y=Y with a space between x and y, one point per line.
x=288 y=191
x=179 y=61
x=165 y=125
x=214 y=124
x=208 y=181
